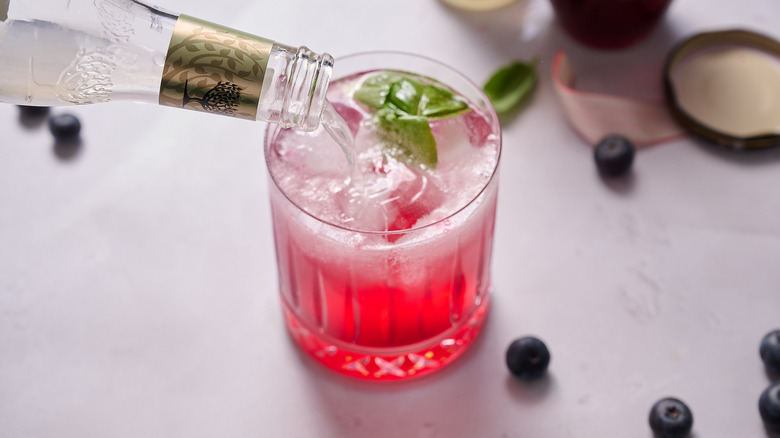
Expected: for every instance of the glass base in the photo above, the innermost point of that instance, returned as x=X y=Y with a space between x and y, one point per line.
x=388 y=364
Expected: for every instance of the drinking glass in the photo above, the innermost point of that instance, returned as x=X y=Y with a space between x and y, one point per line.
x=389 y=305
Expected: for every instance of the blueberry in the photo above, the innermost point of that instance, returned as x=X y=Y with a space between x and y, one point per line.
x=527 y=358
x=65 y=126
x=614 y=155
x=671 y=418
x=770 y=351
x=769 y=407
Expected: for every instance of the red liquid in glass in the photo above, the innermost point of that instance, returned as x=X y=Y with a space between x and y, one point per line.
x=350 y=313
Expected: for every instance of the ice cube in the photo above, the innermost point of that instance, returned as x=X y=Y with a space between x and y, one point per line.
x=452 y=140
x=360 y=212
x=467 y=157
x=413 y=197
x=475 y=126
x=479 y=128
x=351 y=115
x=311 y=153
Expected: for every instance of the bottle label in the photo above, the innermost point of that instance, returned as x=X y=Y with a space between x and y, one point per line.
x=214 y=69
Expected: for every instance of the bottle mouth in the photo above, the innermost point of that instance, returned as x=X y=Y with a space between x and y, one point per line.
x=311 y=75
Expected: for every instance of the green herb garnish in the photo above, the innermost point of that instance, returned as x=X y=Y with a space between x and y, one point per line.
x=510 y=86
x=408 y=138
x=374 y=89
x=404 y=106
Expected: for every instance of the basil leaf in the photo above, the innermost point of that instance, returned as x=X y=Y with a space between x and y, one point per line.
x=408 y=138
x=510 y=86
x=404 y=106
x=438 y=103
x=374 y=89
x=404 y=96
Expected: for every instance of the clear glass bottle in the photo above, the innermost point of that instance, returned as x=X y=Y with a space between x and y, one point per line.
x=60 y=52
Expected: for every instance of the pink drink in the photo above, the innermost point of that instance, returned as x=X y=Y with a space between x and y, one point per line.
x=384 y=268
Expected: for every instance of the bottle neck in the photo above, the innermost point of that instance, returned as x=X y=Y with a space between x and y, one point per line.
x=307 y=77
x=225 y=71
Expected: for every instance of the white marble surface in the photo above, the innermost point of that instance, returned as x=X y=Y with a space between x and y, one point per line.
x=137 y=279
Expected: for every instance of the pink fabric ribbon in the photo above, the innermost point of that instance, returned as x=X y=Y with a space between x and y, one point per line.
x=594 y=116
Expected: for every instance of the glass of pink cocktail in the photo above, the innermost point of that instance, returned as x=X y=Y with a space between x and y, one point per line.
x=384 y=245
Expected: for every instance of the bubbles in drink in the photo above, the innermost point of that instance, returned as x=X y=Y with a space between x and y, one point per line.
x=398 y=287
x=344 y=174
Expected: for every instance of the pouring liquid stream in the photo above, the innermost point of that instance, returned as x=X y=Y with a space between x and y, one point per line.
x=339 y=131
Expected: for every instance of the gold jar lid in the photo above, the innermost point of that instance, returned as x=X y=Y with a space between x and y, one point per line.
x=725 y=87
